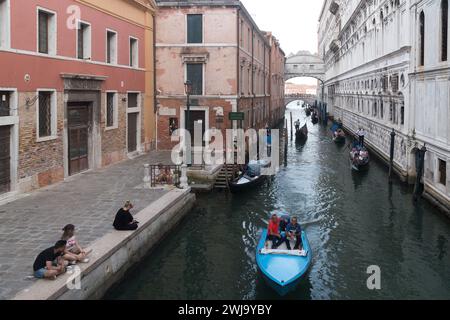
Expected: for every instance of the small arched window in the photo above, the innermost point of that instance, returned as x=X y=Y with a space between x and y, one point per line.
x=422 y=39
x=444 y=31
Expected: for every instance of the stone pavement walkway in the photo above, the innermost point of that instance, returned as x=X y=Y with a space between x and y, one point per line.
x=89 y=201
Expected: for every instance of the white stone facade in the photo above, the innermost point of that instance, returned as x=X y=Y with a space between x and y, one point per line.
x=378 y=78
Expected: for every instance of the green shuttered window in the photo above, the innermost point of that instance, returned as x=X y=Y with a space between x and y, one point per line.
x=194 y=28
x=195 y=75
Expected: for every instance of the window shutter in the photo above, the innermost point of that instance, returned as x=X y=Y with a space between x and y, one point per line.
x=195 y=75
x=195 y=28
x=80 y=41
x=43 y=32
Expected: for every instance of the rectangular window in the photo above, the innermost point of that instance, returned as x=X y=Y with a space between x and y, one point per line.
x=46 y=114
x=442 y=172
x=133 y=53
x=111 y=47
x=133 y=100
x=444 y=31
x=242 y=33
x=111 y=109
x=194 y=73
x=46 y=32
x=84 y=41
x=5 y=102
x=4 y=24
x=194 y=28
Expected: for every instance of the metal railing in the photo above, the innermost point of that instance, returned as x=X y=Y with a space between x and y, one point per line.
x=165 y=175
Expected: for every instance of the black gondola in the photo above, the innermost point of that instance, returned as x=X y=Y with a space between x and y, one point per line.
x=359 y=158
x=338 y=139
x=308 y=112
x=251 y=178
x=302 y=133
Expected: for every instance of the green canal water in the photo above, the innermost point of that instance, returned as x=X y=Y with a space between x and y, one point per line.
x=353 y=221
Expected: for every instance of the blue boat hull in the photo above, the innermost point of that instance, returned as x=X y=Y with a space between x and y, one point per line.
x=282 y=272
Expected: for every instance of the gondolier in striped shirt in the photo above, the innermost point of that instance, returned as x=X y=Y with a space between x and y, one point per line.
x=361 y=135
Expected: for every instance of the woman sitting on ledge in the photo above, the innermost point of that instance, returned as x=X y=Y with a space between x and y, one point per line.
x=124 y=221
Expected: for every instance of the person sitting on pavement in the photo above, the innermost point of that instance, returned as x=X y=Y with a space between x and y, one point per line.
x=273 y=233
x=293 y=233
x=124 y=221
x=74 y=252
x=49 y=263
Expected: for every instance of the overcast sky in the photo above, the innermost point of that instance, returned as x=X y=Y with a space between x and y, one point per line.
x=293 y=22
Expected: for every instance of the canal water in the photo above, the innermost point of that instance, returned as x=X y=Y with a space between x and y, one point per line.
x=353 y=221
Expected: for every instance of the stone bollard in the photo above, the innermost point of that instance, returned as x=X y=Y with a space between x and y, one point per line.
x=184 y=182
x=147 y=178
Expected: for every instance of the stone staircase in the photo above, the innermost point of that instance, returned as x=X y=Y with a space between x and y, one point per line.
x=228 y=173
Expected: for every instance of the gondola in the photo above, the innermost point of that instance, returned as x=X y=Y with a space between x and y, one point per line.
x=308 y=112
x=283 y=269
x=314 y=119
x=251 y=178
x=302 y=133
x=338 y=138
x=359 y=158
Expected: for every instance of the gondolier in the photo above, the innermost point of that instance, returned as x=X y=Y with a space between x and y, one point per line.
x=361 y=133
x=297 y=124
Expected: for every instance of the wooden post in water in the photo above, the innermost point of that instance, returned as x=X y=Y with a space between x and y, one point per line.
x=292 y=129
x=391 y=162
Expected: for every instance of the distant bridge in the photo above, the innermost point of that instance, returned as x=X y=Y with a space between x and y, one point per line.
x=308 y=98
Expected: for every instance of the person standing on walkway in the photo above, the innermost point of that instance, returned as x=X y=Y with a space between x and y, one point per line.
x=297 y=125
x=124 y=221
x=361 y=135
x=74 y=252
x=49 y=263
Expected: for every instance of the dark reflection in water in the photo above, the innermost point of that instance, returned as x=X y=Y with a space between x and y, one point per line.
x=353 y=220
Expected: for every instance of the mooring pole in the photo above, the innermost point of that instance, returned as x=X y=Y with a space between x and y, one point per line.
x=420 y=168
x=391 y=163
x=292 y=129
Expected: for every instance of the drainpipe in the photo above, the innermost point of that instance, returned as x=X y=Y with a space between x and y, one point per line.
x=155 y=100
x=238 y=61
x=253 y=78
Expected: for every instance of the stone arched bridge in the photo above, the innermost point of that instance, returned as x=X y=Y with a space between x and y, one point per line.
x=308 y=98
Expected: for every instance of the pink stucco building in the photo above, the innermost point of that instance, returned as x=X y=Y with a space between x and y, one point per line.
x=220 y=49
x=72 y=83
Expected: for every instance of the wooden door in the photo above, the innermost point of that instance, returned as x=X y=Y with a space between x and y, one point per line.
x=5 y=159
x=78 y=130
x=132 y=131
x=199 y=118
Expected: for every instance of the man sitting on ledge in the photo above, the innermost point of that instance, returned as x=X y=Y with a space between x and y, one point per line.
x=49 y=263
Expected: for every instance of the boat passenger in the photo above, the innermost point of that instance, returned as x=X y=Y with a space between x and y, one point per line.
x=293 y=232
x=297 y=124
x=273 y=233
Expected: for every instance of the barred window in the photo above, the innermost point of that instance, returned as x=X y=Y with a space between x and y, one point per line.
x=46 y=32
x=110 y=109
x=45 y=114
